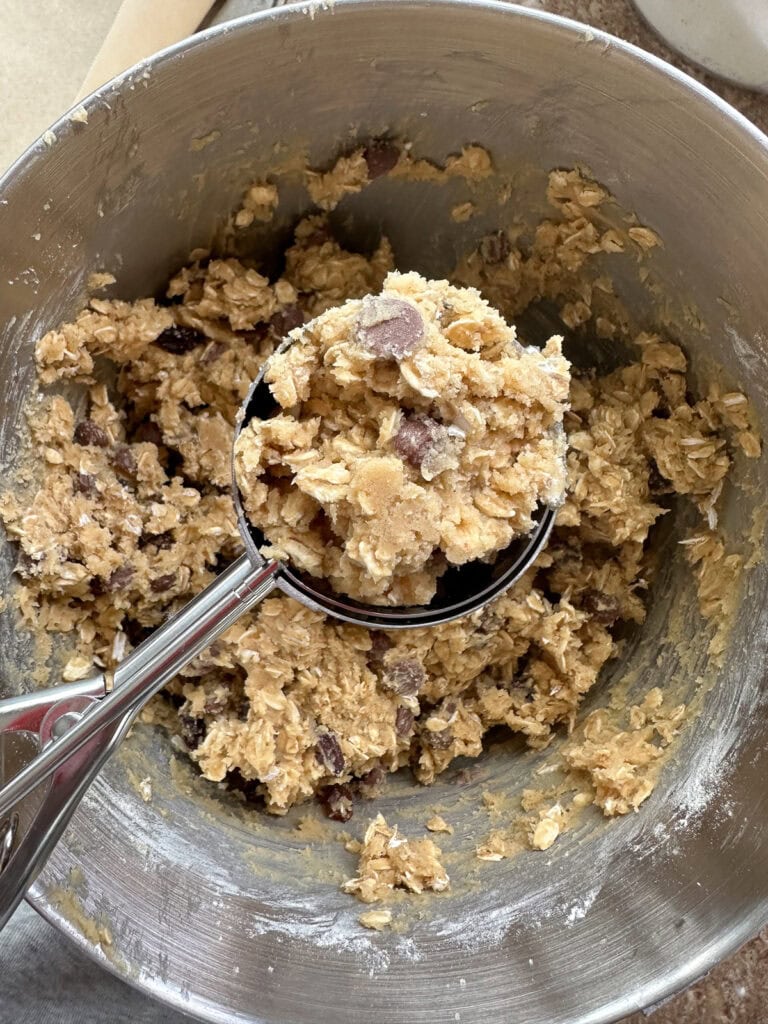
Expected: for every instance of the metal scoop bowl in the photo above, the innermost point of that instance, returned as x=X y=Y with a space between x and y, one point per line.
x=54 y=742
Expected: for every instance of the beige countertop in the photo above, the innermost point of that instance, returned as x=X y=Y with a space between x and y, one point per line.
x=46 y=48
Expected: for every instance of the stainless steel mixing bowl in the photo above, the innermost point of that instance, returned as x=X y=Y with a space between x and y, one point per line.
x=233 y=917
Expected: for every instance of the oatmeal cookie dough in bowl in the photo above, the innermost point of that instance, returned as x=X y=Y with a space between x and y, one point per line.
x=415 y=433
x=552 y=913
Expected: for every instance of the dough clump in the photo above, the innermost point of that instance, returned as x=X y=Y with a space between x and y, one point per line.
x=414 y=432
x=390 y=861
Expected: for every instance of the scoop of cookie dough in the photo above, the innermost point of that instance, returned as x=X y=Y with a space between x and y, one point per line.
x=414 y=432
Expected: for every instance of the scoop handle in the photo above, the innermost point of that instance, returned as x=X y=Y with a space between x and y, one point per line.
x=30 y=831
x=80 y=722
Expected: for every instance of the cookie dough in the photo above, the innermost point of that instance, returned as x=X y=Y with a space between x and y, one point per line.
x=414 y=432
x=390 y=861
x=130 y=515
x=622 y=764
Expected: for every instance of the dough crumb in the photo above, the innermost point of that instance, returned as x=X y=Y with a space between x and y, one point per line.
x=438 y=824
x=494 y=802
x=493 y=849
x=376 y=919
x=463 y=212
x=622 y=764
x=545 y=833
x=77 y=667
x=644 y=237
x=259 y=204
x=203 y=141
x=348 y=175
x=100 y=279
x=389 y=860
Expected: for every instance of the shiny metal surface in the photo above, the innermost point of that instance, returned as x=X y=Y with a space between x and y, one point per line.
x=8 y=829
x=76 y=729
x=224 y=914
x=30 y=827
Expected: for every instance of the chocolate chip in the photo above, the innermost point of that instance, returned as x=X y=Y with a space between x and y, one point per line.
x=380 y=155
x=214 y=706
x=380 y=644
x=417 y=438
x=84 y=483
x=192 y=731
x=404 y=721
x=495 y=248
x=118 y=580
x=213 y=352
x=328 y=753
x=319 y=236
x=162 y=541
x=521 y=691
x=148 y=432
x=489 y=622
x=336 y=801
x=404 y=677
x=87 y=432
x=369 y=785
x=25 y=565
x=124 y=462
x=136 y=633
x=389 y=327
x=179 y=339
x=657 y=484
x=440 y=740
x=256 y=336
x=285 y=320
x=604 y=608
x=162 y=583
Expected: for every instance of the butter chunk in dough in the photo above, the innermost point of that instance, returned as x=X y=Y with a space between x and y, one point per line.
x=414 y=432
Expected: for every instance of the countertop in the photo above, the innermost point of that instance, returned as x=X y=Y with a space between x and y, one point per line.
x=45 y=51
